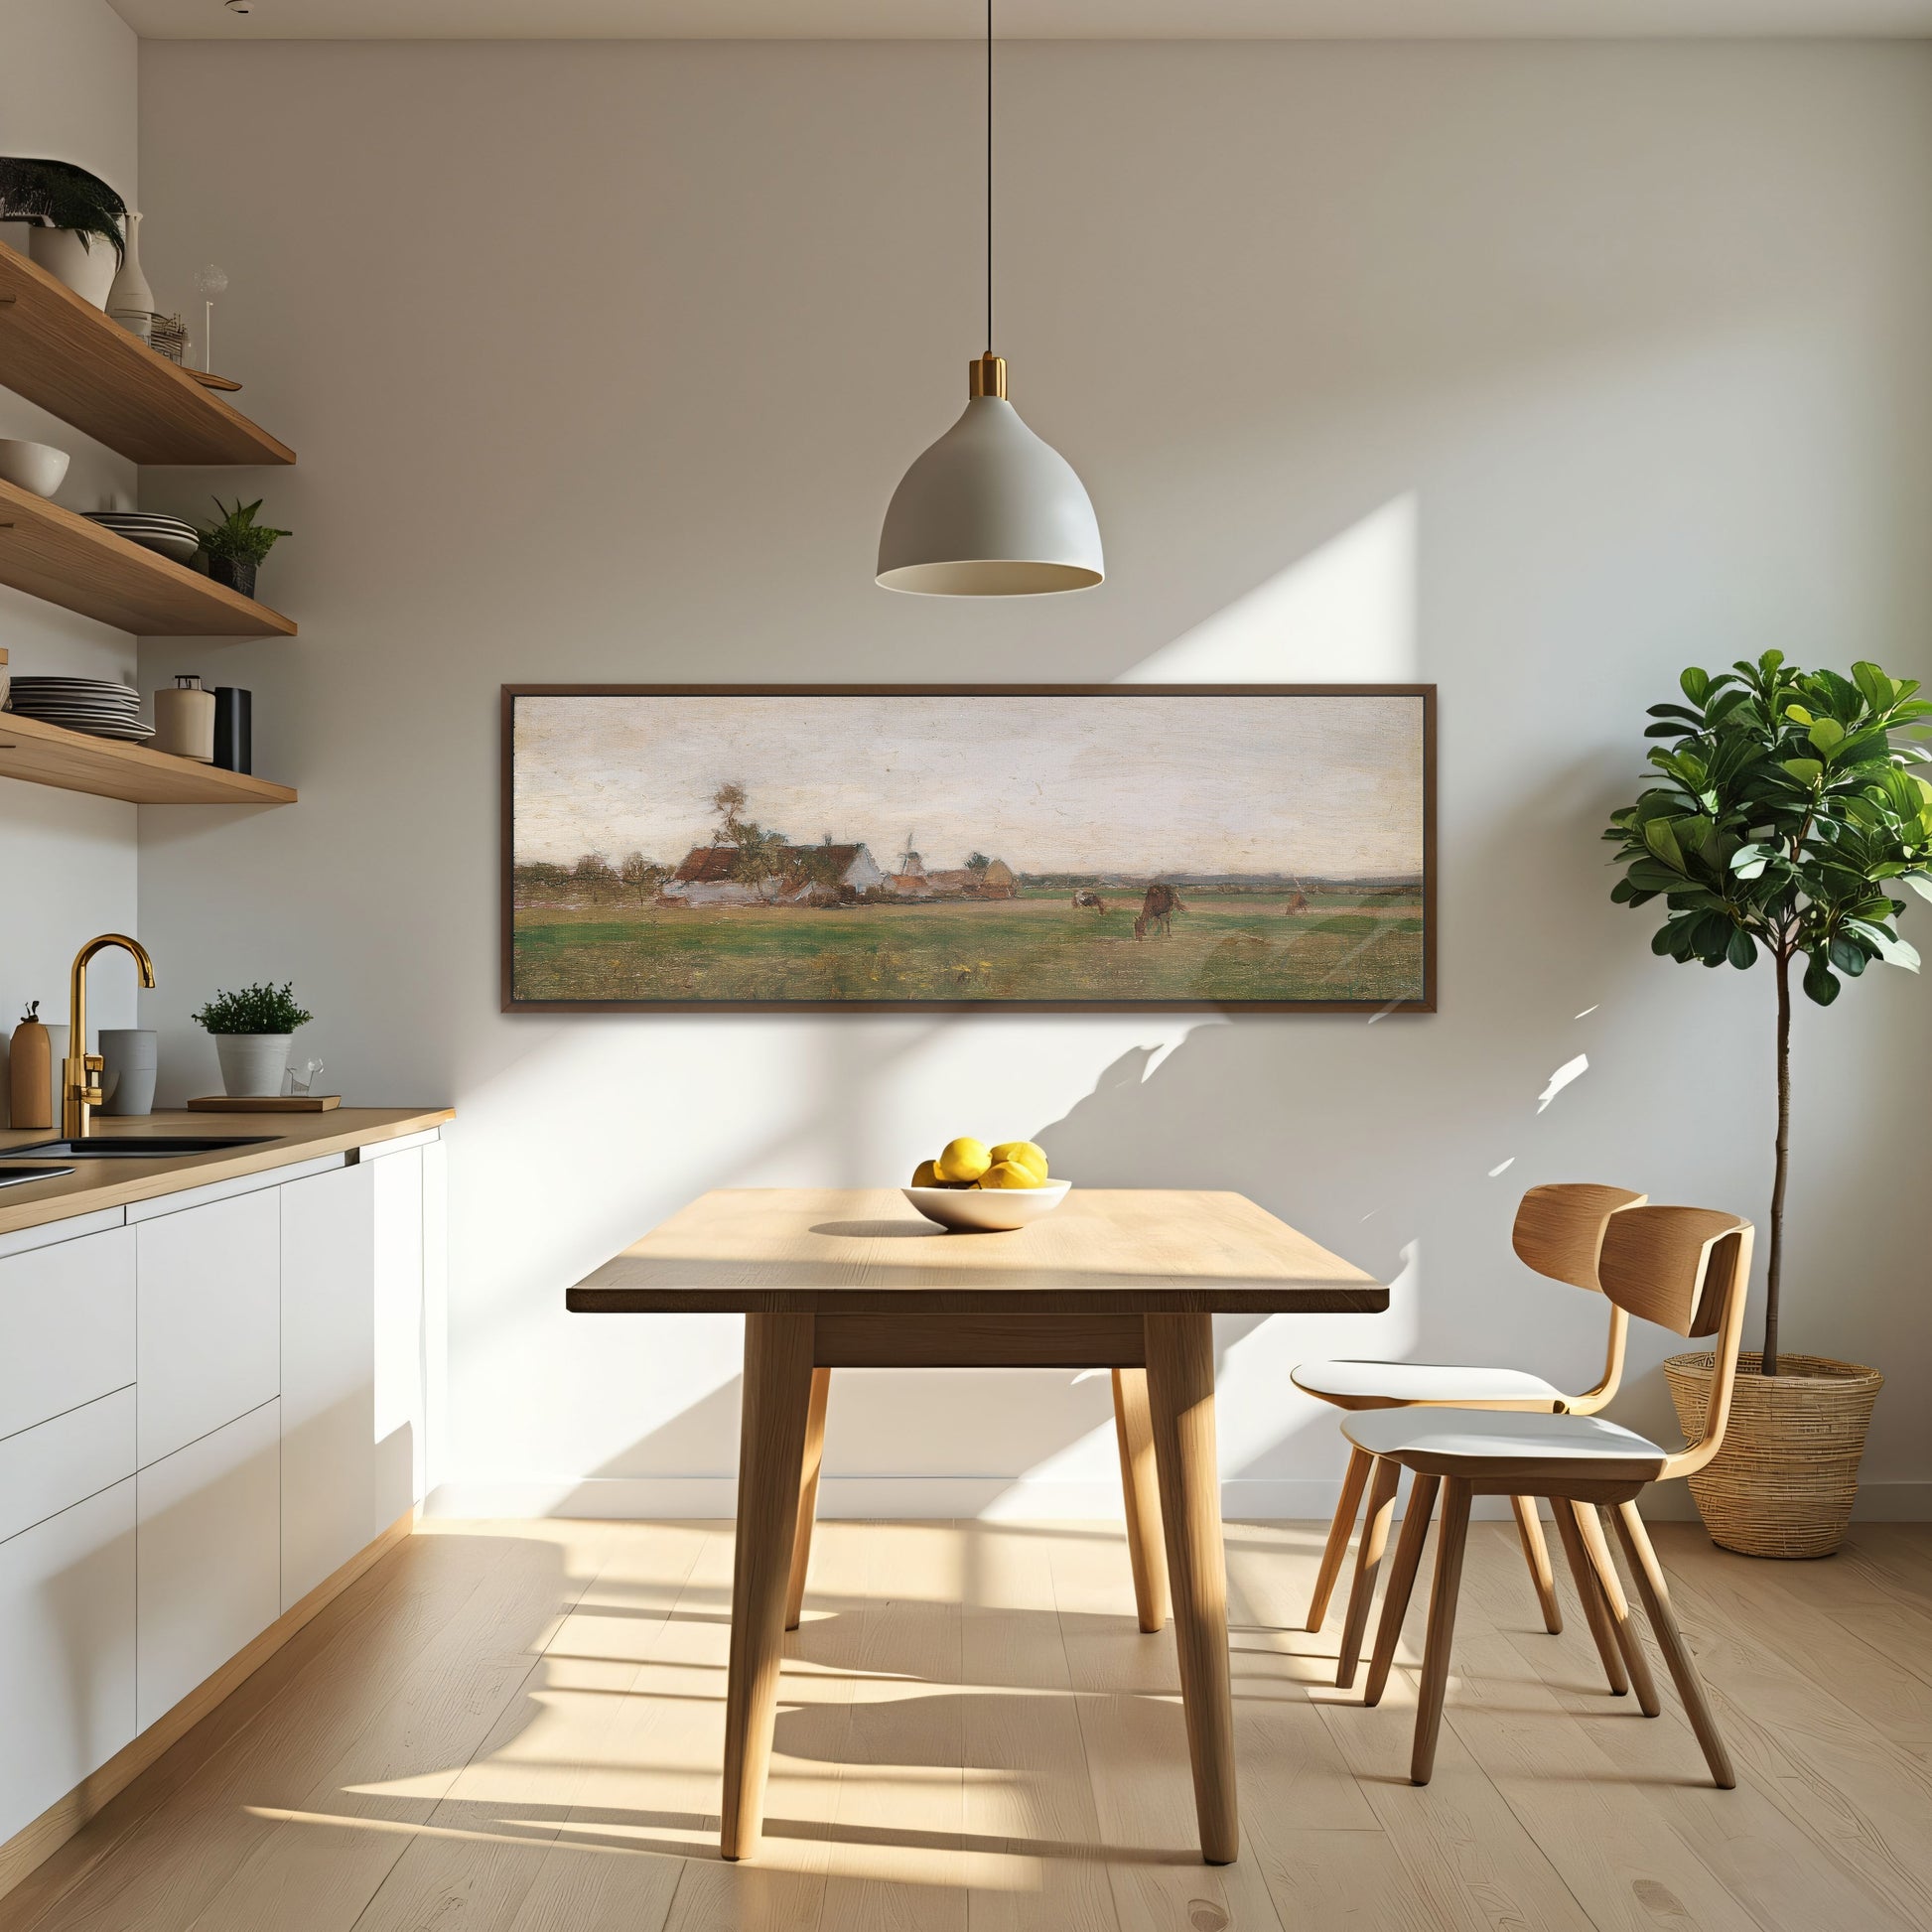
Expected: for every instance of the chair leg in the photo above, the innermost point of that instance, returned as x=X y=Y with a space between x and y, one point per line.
x=1402 y=1582
x=1442 y=1627
x=1536 y=1553
x=1595 y=1613
x=1339 y=1529
x=1677 y=1654
x=1368 y=1560
x=1622 y=1625
x=802 y=1548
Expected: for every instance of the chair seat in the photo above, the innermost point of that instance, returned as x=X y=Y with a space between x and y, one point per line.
x=1478 y=1443
x=1396 y=1385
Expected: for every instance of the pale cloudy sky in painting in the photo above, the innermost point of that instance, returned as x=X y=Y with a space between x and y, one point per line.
x=1139 y=784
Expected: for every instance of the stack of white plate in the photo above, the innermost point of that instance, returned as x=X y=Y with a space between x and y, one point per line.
x=168 y=534
x=83 y=704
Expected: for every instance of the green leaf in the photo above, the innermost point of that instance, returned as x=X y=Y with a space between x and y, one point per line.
x=1742 y=949
x=1893 y=951
x=1826 y=735
x=1921 y=883
x=1695 y=684
x=1806 y=771
x=1657 y=834
x=1878 y=688
x=1847 y=955
x=1820 y=984
x=1797 y=714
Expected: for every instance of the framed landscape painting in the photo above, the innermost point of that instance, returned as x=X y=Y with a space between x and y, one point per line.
x=1253 y=847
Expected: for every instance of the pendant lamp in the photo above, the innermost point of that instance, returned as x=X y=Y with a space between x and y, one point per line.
x=990 y=510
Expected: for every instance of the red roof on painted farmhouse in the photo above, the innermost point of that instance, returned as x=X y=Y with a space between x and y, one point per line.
x=705 y=865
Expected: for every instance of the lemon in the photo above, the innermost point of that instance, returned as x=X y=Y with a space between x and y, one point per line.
x=962 y=1160
x=1010 y=1174
x=1026 y=1152
x=923 y=1176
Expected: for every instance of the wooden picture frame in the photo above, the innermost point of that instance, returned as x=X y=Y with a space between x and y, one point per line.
x=1259 y=927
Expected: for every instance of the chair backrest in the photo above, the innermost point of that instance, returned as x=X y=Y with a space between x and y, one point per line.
x=1560 y=1229
x=1687 y=1269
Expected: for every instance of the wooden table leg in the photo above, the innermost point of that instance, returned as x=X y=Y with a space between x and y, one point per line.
x=770 y=1465
x=1139 y=1489
x=801 y=1547
x=1354 y=1480
x=1181 y=1403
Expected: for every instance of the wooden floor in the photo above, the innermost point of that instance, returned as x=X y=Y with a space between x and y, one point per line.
x=516 y=1727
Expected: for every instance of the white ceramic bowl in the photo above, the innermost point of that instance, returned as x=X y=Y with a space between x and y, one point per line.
x=36 y=467
x=987 y=1210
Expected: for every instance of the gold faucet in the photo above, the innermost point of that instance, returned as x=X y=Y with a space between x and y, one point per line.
x=80 y=1070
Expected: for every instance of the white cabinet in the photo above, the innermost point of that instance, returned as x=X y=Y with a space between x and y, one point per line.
x=66 y=1651
x=66 y=1326
x=208 y=1547
x=64 y=1460
x=400 y=1359
x=328 y=1319
x=210 y=1299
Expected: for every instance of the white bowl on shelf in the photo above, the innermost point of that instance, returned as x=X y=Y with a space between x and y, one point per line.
x=36 y=467
x=987 y=1210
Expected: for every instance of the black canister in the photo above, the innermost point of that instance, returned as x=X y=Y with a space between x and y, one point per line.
x=235 y=739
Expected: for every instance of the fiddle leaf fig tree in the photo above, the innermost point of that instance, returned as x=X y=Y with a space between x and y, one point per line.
x=1783 y=820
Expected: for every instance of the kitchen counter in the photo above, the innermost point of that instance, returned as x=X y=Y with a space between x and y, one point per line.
x=123 y=1179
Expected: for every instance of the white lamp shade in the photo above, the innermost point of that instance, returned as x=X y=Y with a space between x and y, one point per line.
x=990 y=510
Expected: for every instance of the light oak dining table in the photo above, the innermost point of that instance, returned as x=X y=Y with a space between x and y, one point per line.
x=1128 y=1280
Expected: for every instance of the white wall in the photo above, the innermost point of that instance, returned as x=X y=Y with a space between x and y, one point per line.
x=69 y=72
x=1536 y=371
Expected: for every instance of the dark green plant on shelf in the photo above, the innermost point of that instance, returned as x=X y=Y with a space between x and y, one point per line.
x=254 y=1010
x=1785 y=820
x=238 y=538
x=58 y=194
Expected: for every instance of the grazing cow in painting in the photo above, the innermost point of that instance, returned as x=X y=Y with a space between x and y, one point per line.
x=1156 y=911
x=1299 y=904
x=1089 y=903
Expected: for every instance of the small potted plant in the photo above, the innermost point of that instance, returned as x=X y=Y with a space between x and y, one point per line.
x=1786 y=820
x=237 y=544
x=67 y=212
x=253 y=1029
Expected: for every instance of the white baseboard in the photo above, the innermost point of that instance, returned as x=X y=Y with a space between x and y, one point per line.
x=924 y=1498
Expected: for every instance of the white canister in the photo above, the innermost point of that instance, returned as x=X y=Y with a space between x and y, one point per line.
x=184 y=721
x=87 y=264
x=252 y=1064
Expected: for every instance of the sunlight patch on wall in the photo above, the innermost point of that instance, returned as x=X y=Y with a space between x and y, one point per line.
x=1344 y=614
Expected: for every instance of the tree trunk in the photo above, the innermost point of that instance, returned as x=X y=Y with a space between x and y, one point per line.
x=1774 y=1267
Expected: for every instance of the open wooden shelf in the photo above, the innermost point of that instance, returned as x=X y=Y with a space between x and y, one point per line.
x=51 y=552
x=48 y=755
x=66 y=356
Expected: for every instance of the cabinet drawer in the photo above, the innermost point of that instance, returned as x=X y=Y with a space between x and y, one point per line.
x=210 y=1556
x=210 y=1328
x=66 y=1651
x=66 y=1326
x=57 y=1464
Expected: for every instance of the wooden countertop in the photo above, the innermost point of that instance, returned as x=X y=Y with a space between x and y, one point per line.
x=119 y=1181
x=844 y=1251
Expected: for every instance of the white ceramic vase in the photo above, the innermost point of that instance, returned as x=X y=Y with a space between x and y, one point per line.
x=252 y=1064
x=88 y=269
x=131 y=301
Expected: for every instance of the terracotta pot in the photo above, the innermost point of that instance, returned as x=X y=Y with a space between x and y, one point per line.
x=1784 y=1481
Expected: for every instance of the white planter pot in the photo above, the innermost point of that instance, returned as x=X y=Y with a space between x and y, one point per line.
x=252 y=1064
x=89 y=271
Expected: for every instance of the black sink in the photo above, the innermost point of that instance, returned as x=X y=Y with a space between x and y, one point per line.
x=138 y=1147
x=12 y=1177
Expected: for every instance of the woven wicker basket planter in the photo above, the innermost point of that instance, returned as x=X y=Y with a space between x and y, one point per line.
x=1782 y=1484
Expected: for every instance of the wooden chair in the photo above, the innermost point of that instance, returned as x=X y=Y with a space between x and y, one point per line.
x=1687 y=1269
x=1559 y=1233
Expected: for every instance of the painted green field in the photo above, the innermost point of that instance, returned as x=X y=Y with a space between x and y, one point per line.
x=1038 y=948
